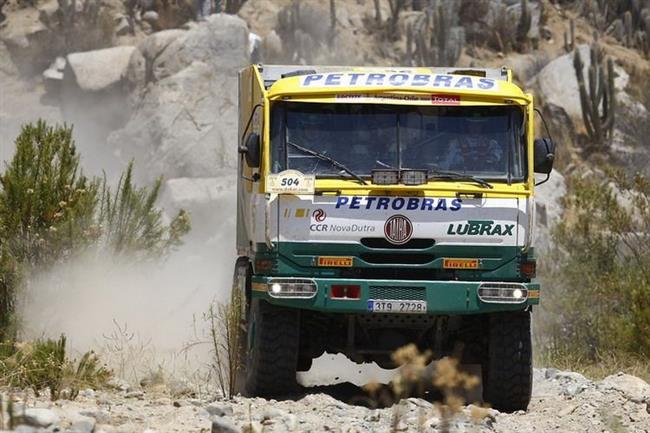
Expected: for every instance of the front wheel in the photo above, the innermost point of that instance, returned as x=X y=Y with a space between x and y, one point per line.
x=508 y=369
x=272 y=346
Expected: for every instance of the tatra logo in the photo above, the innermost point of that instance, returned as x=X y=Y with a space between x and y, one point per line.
x=319 y=215
x=481 y=228
x=398 y=229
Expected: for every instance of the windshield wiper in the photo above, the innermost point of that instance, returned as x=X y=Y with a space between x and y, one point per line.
x=324 y=157
x=436 y=174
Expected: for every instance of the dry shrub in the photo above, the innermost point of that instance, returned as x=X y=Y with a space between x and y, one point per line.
x=44 y=364
x=225 y=338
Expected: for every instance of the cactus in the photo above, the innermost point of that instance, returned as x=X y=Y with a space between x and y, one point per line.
x=432 y=40
x=629 y=31
x=332 y=33
x=570 y=38
x=523 y=27
x=598 y=100
x=396 y=7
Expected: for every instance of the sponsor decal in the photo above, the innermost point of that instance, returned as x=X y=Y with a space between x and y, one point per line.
x=319 y=215
x=335 y=262
x=445 y=99
x=399 y=79
x=398 y=203
x=398 y=229
x=385 y=97
x=341 y=228
x=460 y=263
x=481 y=228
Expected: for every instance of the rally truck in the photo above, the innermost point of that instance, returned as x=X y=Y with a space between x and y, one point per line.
x=380 y=207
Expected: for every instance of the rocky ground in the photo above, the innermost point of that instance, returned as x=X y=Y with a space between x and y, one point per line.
x=562 y=401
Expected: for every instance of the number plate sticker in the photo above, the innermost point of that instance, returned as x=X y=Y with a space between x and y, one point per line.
x=400 y=307
x=290 y=182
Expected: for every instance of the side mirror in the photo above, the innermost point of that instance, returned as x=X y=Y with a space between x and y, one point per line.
x=544 y=155
x=251 y=150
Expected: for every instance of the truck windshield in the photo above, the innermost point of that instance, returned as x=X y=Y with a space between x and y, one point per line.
x=482 y=141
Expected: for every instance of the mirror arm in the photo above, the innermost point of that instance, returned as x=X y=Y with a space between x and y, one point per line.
x=548 y=176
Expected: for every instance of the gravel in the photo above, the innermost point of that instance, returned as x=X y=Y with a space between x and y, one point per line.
x=562 y=401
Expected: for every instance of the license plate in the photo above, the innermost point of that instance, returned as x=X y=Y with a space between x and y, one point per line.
x=390 y=306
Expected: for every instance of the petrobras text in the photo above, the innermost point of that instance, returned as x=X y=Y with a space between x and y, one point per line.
x=398 y=203
x=365 y=79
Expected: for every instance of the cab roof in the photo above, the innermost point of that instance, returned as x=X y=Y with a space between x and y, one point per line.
x=283 y=81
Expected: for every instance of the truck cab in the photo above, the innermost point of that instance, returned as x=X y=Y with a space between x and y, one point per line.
x=379 y=207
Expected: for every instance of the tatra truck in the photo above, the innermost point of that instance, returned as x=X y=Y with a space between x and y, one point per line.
x=380 y=207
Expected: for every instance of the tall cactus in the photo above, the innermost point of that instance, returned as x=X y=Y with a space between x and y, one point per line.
x=598 y=99
x=523 y=27
x=570 y=38
x=433 y=41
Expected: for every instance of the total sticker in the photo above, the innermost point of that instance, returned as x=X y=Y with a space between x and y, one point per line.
x=290 y=182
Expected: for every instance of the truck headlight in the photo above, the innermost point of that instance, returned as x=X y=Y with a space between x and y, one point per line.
x=292 y=288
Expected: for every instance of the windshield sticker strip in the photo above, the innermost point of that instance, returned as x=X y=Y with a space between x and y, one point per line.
x=435 y=81
x=434 y=99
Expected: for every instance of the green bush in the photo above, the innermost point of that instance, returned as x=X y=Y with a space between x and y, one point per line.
x=598 y=300
x=43 y=364
x=50 y=212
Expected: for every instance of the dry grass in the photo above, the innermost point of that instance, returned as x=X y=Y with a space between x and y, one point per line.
x=606 y=364
x=224 y=321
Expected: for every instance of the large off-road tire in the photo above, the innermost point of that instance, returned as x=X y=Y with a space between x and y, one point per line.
x=272 y=346
x=508 y=369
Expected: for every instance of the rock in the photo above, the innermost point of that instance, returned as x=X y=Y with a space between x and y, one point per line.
x=558 y=83
x=215 y=409
x=30 y=42
x=253 y=427
x=221 y=42
x=631 y=387
x=135 y=394
x=548 y=212
x=186 y=121
x=83 y=426
x=98 y=70
x=38 y=417
x=150 y=16
x=185 y=125
x=25 y=429
x=7 y=66
x=123 y=27
x=119 y=384
x=223 y=426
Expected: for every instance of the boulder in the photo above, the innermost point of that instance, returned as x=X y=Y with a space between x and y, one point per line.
x=548 y=208
x=7 y=66
x=558 y=83
x=184 y=126
x=631 y=387
x=183 y=87
x=98 y=70
x=221 y=41
x=38 y=417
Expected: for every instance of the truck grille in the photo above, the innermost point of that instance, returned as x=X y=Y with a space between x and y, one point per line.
x=408 y=293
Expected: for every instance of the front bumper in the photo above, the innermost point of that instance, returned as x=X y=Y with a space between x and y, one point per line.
x=442 y=297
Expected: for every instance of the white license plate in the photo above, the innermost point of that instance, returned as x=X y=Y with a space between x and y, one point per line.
x=389 y=306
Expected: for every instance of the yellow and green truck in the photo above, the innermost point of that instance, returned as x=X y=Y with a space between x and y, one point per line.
x=379 y=207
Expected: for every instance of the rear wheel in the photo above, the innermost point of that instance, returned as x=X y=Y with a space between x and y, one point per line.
x=272 y=346
x=508 y=369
